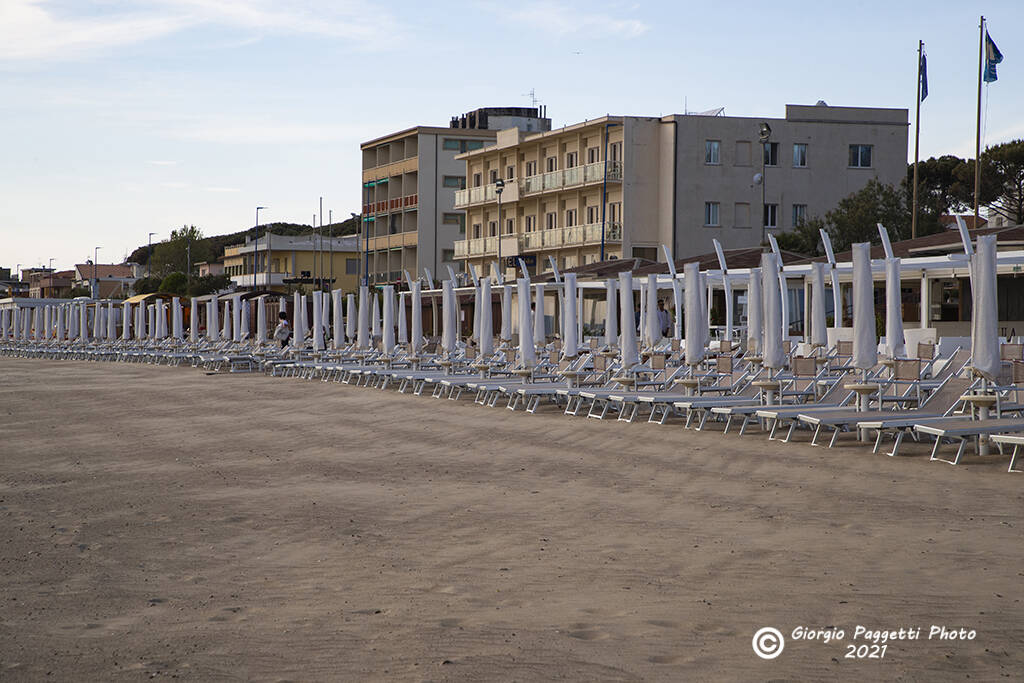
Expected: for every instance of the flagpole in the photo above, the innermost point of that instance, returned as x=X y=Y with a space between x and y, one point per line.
x=917 y=139
x=977 y=135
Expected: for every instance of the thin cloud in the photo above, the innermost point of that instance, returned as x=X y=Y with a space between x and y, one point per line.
x=37 y=29
x=562 y=19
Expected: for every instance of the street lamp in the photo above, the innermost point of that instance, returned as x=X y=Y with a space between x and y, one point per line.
x=765 y=135
x=149 y=260
x=499 y=187
x=95 y=273
x=256 y=253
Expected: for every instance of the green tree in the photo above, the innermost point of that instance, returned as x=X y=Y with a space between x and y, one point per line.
x=1005 y=165
x=855 y=218
x=940 y=189
x=175 y=283
x=208 y=284
x=172 y=255
x=804 y=238
x=146 y=285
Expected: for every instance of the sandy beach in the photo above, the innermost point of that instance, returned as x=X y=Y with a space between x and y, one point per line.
x=160 y=522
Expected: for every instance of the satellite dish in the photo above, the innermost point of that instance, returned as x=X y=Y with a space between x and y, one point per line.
x=758 y=178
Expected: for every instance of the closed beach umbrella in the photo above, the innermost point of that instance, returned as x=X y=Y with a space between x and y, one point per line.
x=486 y=325
x=363 y=332
x=351 y=317
x=28 y=315
x=325 y=317
x=388 y=330
x=297 y=332
x=126 y=321
x=772 y=352
x=375 y=317
x=318 y=326
x=47 y=323
x=417 y=318
x=338 y=320
x=15 y=320
x=282 y=305
x=447 y=317
x=212 y=324
x=693 y=311
x=476 y=314
x=111 y=322
x=895 y=345
x=246 y=315
x=236 y=319
x=225 y=331
x=83 y=322
x=59 y=331
x=652 y=334
x=37 y=322
x=611 y=317
x=819 y=323
x=677 y=302
x=570 y=344
x=5 y=319
x=98 y=331
x=865 y=344
x=193 y=320
x=177 y=328
x=628 y=344
x=403 y=330
x=506 y=313
x=985 y=316
x=527 y=351
x=261 y=320
x=539 y=328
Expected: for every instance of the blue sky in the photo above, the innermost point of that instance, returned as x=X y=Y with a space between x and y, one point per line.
x=124 y=117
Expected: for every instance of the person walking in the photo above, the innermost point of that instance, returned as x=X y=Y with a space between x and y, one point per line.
x=283 y=331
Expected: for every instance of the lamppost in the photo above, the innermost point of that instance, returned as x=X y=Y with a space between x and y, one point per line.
x=765 y=135
x=499 y=187
x=51 y=264
x=330 y=226
x=256 y=253
x=95 y=273
x=149 y=259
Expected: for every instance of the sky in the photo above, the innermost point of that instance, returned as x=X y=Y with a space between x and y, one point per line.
x=123 y=117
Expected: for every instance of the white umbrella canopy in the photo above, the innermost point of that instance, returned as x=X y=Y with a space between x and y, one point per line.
x=363 y=333
x=318 y=326
x=351 y=317
x=375 y=317
x=611 y=316
x=985 y=314
x=652 y=331
x=506 y=313
x=486 y=324
x=895 y=345
x=865 y=343
x=570 y=345
x=388 y=325
x=771 y=351
x=261 y=320
x=628 y=343
x=212 y=324
x=338 y=331
x=448 y=318
x=417 y=318
x=527 y=350
x=819 y=323
x=755 y=314
x=193 y=320
x=693 y=312
x=539 y=329
x=403 y=330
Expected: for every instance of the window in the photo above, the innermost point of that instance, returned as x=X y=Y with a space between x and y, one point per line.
x=510 y=226
x=530 y=223
x=492 y=228
x=771 y=215
x=570 y=218
x=452 y=145
x=799 y=214
x=351 y=266
x=799 y=155
x=494 y=176
x=476 y=231
x=593 y=155
x=456 y=181
x=550 y=220
x=552 y=164
x=531 y=168
x=477 y=180
x=771 y=154
x=711 y=152
x=510 y=172
x=615 y=212
x=447 y=254
x=615 y=151
x=711 y=213
x=593 y=214
x=455 y=219
x=572 y=159
x=742 y=215
x=860 y=156
x=474 y=144
x=742 y=153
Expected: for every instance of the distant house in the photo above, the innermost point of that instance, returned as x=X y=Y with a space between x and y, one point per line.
x=103 y=279
x=210 y=268
x=50 y=284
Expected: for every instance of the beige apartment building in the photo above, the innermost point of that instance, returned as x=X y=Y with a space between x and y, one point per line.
x=409 y=180
x=621 y=186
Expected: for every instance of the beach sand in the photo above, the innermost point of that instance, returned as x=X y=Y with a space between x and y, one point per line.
x=161 y=522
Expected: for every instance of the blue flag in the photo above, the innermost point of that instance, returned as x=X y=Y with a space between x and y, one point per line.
x=924 y=76
x=992 y=57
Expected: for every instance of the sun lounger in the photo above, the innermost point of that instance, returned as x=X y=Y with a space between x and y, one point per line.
x=964 y=428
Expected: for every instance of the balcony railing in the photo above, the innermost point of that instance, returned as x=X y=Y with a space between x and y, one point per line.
x=575 y=236
x=544 y=182
x=409 y=201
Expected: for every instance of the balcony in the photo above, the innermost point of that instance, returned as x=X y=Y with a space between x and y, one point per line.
x=575 y=236
x=572 y=177
x=410 y=201
x=486 y=194
x=481 y=246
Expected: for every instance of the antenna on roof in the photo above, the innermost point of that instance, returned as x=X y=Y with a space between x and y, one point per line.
x=533 y=97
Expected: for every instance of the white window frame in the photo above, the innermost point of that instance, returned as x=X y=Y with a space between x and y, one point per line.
x=799 y=146
x=712 y=152
x=712 y=214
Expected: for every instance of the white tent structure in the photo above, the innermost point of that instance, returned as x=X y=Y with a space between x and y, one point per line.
x=177 y=322
x=375 y=329
x=448 y=319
